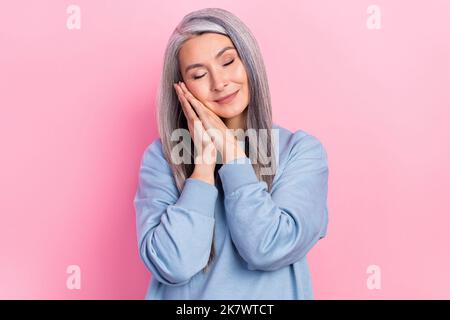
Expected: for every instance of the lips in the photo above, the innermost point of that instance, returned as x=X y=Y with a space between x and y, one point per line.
x=227 y=98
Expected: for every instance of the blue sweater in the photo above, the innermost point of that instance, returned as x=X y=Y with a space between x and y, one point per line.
x=261 y=238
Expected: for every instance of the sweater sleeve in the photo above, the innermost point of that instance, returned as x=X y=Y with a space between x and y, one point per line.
x=174 y=230
x=273 y=230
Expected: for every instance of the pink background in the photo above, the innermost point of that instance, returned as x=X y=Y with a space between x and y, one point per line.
x=77 y=111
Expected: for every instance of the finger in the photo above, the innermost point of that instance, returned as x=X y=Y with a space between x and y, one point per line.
x=200 y=132
x=193 y=100
x=195 y=129
x=202 y=138
x=205 y=113
x=198 y=106
x=194 y=123
x=187 y=109
x=209 y=119
x=205 y=106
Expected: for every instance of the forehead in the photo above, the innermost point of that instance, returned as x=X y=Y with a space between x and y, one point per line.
x=202 y=48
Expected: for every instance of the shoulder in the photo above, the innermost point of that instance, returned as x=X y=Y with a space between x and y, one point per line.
x=307 y=145
x=154 y=148
x=155 y=174
x=300 y=143
x=307 y=155
x=154 y=155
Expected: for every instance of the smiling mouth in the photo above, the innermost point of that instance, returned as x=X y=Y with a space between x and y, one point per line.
x=228 y=98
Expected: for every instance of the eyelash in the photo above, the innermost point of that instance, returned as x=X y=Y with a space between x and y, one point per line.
x=226 y=64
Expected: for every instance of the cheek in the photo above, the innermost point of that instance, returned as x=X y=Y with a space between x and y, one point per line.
x=199 y=91
x=241 y=77
x=240 y=74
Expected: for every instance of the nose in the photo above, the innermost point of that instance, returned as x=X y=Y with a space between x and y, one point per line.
x=219 y=81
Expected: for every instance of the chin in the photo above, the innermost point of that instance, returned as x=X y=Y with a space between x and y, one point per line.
x=228 y=112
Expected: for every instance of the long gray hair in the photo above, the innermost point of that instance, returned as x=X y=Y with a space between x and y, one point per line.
x=259 y=110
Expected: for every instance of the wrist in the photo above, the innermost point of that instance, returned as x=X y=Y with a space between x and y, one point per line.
x=233 y=153
x=203 y=176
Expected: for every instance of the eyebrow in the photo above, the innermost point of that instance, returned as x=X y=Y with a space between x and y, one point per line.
x=198 y=65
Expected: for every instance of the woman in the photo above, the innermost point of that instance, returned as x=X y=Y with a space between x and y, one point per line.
x=221 y=223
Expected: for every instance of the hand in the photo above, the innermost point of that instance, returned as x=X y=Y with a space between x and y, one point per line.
x=222 y=137
x=205 y=161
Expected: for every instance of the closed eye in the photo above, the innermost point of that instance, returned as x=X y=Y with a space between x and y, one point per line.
x=226 y=64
